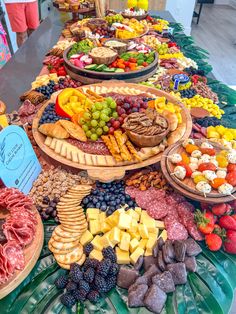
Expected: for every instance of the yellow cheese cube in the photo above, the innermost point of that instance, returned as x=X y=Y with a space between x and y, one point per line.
x=105 y=227
x=160 y=224
x=143 y=231
x=125 y=241
x=135 y=255
x=144 y=215
x=96 y=255
x=133 y=226
x=150 y=243
x=124 y=221
x=106 y=241
x=134 y=235
x=163 y=235
x=112 y=220
x=92 y=213
x=133 y=214
x=94 y=227
x=97 y=243
x=102 y=216
x=115 y=235
x=138 y=210
x=148 y=252
x=134 y=243
x=120 y=210
x=150 y=224
x=86 y=237
x=142 y=243
x=152 y=235
x=122 y=256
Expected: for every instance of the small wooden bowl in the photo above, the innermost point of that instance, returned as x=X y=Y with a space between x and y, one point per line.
x=104 y=60
x=137 y=17
x=99 y=23
x=120 y=50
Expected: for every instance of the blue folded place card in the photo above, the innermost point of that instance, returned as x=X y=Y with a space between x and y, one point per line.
x=19 y=165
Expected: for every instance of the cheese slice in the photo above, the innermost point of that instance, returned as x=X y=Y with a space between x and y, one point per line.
x=48 y=141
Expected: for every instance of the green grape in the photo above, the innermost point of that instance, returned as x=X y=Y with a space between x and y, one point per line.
x=87 y=116
x=93 y=130
x=109 y=111
x=85 y=127
x=94 y=123
x=115 y=115
x=99 y=131
x=82 y=121
x=96 y=115
x=94 y=137
x=103 y=117
x=99 y=105
x=102 y=123
x=113 y=105
x=93 y=108
x=109 y=100
x=105 y=128
x=105 y=111
x=88 y=134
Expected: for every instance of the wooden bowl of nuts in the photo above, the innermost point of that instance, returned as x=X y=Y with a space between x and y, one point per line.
x=146 y=129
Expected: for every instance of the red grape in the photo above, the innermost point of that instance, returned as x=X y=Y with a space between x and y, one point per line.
x=121 y=120
x=116 y=125
x=111 y=130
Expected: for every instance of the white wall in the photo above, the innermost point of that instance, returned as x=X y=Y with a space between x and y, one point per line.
x=182 y=11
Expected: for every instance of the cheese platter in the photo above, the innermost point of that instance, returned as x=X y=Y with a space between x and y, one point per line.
x=106 y=160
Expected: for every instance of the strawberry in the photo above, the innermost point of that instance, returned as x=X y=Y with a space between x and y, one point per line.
x=219 y=209
x=234 y=217
x=205 y=221
x=227 y=222
x=213 y=241
x=230 y=242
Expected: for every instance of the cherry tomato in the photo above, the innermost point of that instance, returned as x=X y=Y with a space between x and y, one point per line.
x=231 y=178
x=207 y=166
x=208 y=151
x=217 y=182
x=231 y=167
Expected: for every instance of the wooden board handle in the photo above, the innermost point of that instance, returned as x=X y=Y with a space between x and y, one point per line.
x=106 y=175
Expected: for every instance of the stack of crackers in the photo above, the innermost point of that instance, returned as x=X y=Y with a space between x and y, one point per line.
x=64 y=243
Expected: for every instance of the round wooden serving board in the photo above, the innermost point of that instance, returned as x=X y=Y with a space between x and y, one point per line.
x=31 y=253
x=187 y=186
x=117 y=171
x=137 y=17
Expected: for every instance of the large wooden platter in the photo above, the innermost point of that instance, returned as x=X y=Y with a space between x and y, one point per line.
x=116 y=170
x=31 y=253
x=187 y=186
x=91 y=77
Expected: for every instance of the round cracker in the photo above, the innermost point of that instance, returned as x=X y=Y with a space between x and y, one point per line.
x=56 y=251
x=64 y=239
x=65 y=266
x=71 y=215
x=69 y=208
x=76 y=224
x=72 y=257
x=81 y=187
x=82 y=260
x=64 y=203
x=64 y=246
x=70 y=229
x=62 y=233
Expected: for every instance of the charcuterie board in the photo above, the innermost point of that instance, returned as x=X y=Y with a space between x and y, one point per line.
x=106 y=168
x=31 y=254
x=187 y=187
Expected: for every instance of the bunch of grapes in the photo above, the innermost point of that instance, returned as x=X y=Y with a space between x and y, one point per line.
x=94 y=122
x=162 y=48
x=105 y=31
x=118 y=18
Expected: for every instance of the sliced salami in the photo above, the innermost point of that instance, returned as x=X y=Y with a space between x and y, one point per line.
x=14 y=254
x=156 y=209
x=176 y=231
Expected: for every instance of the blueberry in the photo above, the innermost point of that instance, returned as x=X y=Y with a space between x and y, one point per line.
x=90 y=205
x=95 y=200
x=85 y=200
x=95 y=192
x=100 y=198
x=98 y=205
x=118 y=201
x=103 y=208
x=107 y=198
x=112 y=198
x=113 y=203
x=127 y=197
x=130 y=203
x=104 y=186
x=112 y=208
x=110 y=211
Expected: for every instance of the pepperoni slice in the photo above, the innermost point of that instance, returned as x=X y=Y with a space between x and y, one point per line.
x=14 y=254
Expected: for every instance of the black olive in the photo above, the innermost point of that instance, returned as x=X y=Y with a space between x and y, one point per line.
x=54 y=214
x=46 y=200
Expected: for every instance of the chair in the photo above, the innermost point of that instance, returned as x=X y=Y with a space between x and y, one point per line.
x=198 y=14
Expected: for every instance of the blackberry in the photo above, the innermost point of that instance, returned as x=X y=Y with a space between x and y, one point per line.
x=88 y=248
x=89 y=274
x=93 y=296
x=84 y=285
x=93 y=263
x=103 y=267
x=67 y=299
x=75 y=273
x=79 y=295
x=71 y=286
x=109 y=253
x=114 y=269
x=111 y=283
x=61 y=282
x=100 y=283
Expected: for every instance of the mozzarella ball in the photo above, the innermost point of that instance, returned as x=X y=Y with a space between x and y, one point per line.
x=231 y=158
x=209 y=175
x=206 y=145
x=196 y=154
x=204 y=159
x=226 y=189
x=195 y=173
x=221 y=174
x=214 y=162
x=180 y=172
x=203 y=187
x=193 y=160
x=188 y=141
x=193 y=166
x=175 y=158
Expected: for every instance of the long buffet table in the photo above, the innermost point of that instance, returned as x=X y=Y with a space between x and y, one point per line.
x=15 y=78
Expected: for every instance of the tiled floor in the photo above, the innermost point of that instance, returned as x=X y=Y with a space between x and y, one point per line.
x=216 y=32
